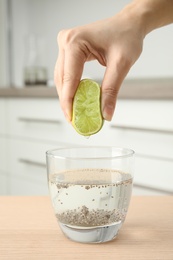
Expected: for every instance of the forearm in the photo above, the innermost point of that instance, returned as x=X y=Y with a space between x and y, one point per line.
x=150 y=14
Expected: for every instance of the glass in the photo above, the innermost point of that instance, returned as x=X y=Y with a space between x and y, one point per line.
x=90 y=189
x=35 y=71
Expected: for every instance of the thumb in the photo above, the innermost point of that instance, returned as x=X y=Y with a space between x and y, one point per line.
x=113 y=78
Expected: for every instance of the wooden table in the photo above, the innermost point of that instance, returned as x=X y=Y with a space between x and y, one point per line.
x=28 y=230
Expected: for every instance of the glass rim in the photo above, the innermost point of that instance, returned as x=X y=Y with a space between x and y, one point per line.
x=52 y=153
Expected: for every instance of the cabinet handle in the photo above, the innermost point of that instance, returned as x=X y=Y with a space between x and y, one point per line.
x=38 y=120
x=30 y=162
x=143 y=129
x=154 y=157
x=146 y=187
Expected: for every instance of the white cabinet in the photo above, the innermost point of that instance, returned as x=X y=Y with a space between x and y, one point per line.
x=3 y=150
x=2 y=116
x=146 y=126
x=28 y=128
x=27 y=166
x=31 y=126
x=34 y=118
x=20 y=186
x=3 y=153
x=3 y=183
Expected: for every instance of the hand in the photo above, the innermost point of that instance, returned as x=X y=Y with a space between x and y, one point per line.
x=115 y=42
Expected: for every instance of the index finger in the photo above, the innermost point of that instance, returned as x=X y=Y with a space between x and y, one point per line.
x=74 y=61
x=59 y=71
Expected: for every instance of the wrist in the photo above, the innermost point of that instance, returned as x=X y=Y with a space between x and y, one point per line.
x=149 y=15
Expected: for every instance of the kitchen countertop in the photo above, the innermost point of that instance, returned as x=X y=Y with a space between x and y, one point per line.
x=29 y=230
x=131 y=89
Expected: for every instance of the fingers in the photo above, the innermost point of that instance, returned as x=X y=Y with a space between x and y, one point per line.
x=73 y=68
x=68 y=72
x=115 y=73
x=76 y=47
x=59 y=71
x=59 y=66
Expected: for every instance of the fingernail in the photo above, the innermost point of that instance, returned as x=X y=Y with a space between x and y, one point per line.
x=68 y=115
x=108 y=112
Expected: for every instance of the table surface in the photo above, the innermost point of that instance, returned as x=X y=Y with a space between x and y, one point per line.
x=29 y=230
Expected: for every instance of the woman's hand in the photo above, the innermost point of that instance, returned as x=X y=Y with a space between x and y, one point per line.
x=115 y=43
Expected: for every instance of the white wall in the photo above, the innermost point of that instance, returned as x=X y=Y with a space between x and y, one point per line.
x=3 y=46
x=45 y=18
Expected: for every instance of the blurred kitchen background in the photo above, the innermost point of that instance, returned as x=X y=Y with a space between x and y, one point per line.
x=31 y=120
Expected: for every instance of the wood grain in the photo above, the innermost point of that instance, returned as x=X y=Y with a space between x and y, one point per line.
x=28 y=230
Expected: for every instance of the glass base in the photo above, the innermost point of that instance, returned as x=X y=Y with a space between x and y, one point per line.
x=91 y=235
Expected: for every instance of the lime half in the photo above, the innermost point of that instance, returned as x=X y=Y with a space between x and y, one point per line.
x=87 y=117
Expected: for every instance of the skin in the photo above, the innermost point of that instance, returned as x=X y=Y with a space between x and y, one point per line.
x=115 y=43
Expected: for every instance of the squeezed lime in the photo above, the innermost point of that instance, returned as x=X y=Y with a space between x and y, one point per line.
x=86 y=116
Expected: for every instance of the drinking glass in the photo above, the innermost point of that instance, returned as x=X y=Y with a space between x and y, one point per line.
x=90 y=189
